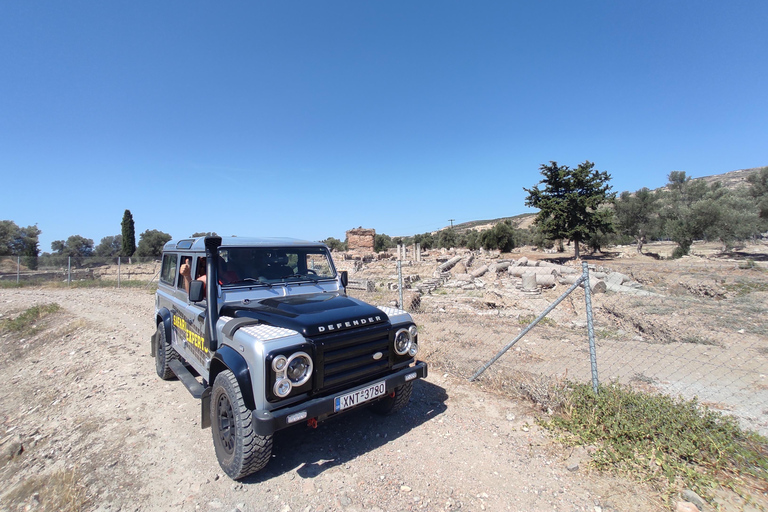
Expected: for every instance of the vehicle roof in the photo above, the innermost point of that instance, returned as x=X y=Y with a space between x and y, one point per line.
x=198 y=244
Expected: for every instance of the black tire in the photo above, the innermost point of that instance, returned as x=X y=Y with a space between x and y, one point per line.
x=239 y=450
x=164 y=353
x=392 y=404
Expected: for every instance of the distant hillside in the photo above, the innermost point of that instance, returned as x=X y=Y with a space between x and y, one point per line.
x=521 y=221
x=732 y=179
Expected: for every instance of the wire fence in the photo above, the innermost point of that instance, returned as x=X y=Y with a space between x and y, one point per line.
x=694 y=328
x=97 y=271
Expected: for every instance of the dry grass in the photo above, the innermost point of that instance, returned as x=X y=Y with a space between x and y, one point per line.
x=62 y=491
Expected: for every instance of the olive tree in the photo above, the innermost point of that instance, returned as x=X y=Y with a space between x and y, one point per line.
x=636 y=215
x=151 y=243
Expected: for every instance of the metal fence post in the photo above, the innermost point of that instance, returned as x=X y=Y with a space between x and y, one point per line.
x=118 y=271
x=528 y=328
x=69 y=270
x=18 y=268
x=400 y=283
x=590 y=326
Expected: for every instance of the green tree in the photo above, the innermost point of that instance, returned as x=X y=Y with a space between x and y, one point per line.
x=733 y=218
x=382 y=242
x=684 y=215
x=501 y=237
x=27 y=246
x=425 y=240
x=472 y=240
x=335 y=244
x=203 y=233
x=128 y=234
x=151 y=243
x=110 y=246
x=17 y=241
x=572 y=203
x=75 y=247
x=758 y=190
x=447 y=238
x=637 y=216
x=8 y=232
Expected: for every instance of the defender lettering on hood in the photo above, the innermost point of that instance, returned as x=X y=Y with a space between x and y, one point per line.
x=349 y=324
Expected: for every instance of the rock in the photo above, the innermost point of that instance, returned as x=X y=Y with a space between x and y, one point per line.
x=692 y=497
x=405 y=488
x=574 y=466
x=686 y=506
x=11 y=447
x=616 y=278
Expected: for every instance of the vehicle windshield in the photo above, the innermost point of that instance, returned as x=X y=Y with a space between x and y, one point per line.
x=267 y=266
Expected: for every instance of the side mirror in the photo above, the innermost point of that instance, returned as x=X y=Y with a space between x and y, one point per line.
x=196 y=291
x=344 y=278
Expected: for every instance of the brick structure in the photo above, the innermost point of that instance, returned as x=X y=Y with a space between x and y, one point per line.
x=360 y=239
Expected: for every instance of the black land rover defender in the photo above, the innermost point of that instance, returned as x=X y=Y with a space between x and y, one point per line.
x=263 y=333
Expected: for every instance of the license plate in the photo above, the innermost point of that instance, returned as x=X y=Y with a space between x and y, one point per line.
x=361 y=395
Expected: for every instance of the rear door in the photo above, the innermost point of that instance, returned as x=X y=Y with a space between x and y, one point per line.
x=189 y=325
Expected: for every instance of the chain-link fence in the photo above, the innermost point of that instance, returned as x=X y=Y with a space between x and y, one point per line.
x=691 y=327
x=95 y=271
x=695 y=327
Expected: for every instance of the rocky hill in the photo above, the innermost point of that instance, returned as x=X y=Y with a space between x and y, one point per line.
x=732 y=179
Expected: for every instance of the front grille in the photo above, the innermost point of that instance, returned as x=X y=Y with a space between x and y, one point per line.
x=346 y=358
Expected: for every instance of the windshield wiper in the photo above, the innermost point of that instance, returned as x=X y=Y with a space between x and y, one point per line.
x=260 y=280
x=303 y=276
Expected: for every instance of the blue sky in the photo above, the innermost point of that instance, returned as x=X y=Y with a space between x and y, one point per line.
x=309 y=118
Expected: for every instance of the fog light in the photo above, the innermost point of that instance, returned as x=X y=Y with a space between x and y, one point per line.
x=297 y=416
x=282 y=388
x=410 y=376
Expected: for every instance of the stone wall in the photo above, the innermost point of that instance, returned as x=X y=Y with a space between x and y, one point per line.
x=360 y=239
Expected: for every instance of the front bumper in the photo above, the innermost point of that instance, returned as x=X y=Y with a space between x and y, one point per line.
x=268 y=422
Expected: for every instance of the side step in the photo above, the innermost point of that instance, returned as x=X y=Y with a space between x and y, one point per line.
x=186 y=377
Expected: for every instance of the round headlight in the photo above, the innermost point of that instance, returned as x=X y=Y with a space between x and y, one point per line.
x=414 y=350
x=402 y=342
x=278 y=363
x=299 y=368
x=282 y=388
x=413 y=331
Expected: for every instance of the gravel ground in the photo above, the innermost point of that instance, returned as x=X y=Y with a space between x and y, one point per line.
x=85 y=424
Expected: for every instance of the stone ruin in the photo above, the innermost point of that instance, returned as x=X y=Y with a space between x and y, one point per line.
x=361 y=240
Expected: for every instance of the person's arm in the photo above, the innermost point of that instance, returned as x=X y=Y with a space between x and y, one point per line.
x=186 y=273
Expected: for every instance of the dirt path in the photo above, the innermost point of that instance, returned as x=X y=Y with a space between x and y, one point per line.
x=100 y=431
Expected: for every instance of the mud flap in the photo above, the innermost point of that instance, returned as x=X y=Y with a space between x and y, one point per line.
x=205 y=408
x=153 y=344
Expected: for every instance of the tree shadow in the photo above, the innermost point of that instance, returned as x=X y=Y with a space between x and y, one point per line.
x=745 y=256
x=348 y=436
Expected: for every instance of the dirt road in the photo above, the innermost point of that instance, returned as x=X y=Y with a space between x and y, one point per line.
x=97 y=430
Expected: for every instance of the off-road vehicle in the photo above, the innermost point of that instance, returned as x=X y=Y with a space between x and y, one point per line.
x=263 y=333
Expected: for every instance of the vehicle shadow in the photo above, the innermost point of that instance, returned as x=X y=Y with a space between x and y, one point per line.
x=348 y=436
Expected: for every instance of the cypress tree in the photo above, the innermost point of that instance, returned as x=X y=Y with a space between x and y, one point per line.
x=129 y=234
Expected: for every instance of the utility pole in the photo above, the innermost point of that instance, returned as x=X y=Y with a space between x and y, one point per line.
x=451 y=221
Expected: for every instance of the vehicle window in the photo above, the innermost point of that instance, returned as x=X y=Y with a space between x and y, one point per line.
x=200 y=269
x=185 y=260
x=168 y=270
x=272 y=265
x=319 y=264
